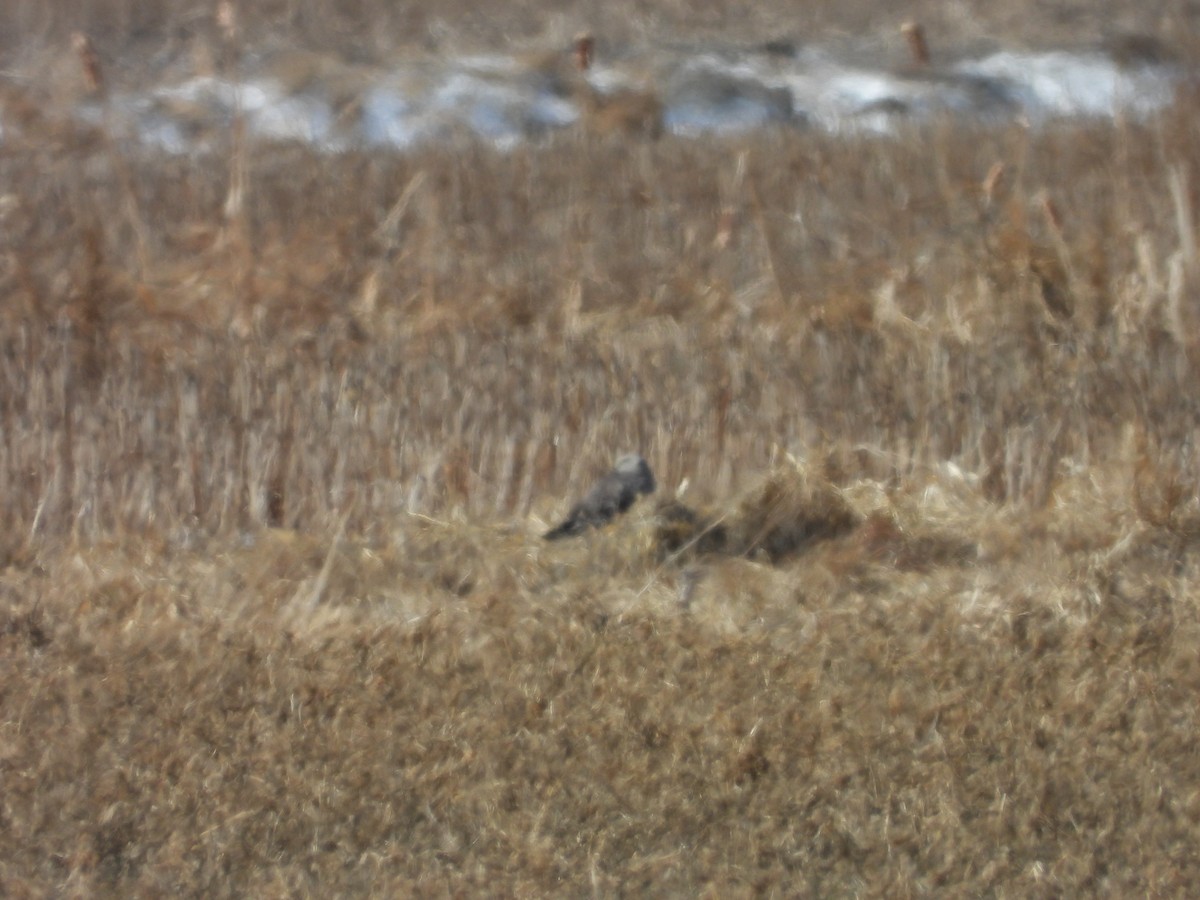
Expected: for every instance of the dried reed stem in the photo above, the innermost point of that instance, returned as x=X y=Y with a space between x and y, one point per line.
x=1181 y=201
x=918 y=47
x=93 y=76
x=774 y=263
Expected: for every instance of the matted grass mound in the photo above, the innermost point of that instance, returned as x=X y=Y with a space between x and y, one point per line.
x=790 y=509
x=794 y=507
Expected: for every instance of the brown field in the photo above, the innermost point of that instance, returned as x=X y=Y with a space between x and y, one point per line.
x=279 y=433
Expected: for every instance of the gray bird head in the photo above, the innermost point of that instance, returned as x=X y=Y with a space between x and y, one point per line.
x=635 y=471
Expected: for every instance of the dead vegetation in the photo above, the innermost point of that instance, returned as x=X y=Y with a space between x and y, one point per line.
x=279 y=433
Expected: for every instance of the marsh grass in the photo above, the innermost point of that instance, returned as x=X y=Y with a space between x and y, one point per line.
x=275 y=618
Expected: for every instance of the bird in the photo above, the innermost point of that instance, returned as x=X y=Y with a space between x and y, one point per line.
x=609 y=497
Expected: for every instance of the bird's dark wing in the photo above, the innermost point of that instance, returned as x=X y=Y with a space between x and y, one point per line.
x=612 y=494
x=600 y=506
x=609 y=497
x=568 y=528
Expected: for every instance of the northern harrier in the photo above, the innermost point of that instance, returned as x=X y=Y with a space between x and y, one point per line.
x=613 y=494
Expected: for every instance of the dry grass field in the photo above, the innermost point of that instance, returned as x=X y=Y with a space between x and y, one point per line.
x=280 y=431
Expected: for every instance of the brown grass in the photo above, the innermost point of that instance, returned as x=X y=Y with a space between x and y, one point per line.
x=274 y=614
x=373 y=29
